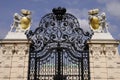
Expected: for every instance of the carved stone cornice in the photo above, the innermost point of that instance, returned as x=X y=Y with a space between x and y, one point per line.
x=97 y=41
x=103 y=49
x=20 y=41
x=14 y=46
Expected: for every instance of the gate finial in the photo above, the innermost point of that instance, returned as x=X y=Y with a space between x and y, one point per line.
x=59 y=12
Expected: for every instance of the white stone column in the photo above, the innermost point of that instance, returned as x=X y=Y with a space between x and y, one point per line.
x=14 y=55
x=104 y=57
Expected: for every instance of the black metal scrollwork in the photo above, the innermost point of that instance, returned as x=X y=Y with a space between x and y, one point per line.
x=60 y=31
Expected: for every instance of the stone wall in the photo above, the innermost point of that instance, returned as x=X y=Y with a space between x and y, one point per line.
x=14 y=59
x=104 y=60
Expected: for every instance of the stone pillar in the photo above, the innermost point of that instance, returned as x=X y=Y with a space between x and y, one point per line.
x=104 y=57
x=14 y=55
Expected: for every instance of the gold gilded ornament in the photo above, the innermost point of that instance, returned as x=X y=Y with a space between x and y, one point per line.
x=93 y=12
x=25 y=12
x=95 y=22
x=25 y=22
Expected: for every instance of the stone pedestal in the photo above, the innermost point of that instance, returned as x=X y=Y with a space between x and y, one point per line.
x=104 y=57
x=14 y=54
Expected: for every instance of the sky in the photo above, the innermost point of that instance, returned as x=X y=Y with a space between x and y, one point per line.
x=79 y=8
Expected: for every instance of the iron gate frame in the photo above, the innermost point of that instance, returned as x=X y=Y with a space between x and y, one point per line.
x=59 y=31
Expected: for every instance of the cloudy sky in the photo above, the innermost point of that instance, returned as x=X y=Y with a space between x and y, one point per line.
x=78 y=8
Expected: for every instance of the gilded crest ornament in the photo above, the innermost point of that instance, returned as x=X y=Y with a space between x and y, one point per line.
x=22 y=22
x=98 y=21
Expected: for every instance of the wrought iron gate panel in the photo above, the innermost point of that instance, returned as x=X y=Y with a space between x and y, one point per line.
x=59 y=49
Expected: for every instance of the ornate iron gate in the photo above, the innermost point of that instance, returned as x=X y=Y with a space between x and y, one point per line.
x=59 y=49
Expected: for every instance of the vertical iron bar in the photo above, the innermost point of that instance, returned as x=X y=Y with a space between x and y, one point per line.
x=59 y=63
x=88 y=58
x=55 y=63
x=82 y=68
x=62 y=63
x=35 y=72
x=79 y=69
x=58 y=75
x=28 y=78
x=39 y=68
